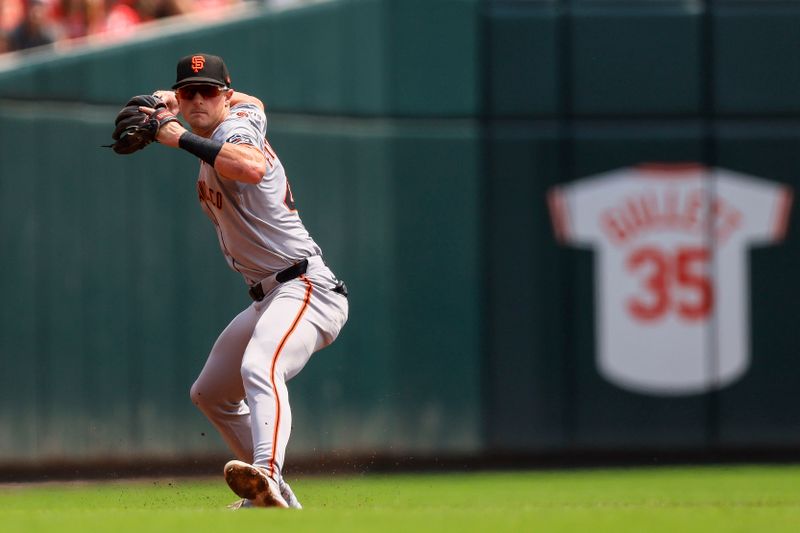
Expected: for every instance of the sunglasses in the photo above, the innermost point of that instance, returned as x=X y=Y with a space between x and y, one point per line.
x=206 y=91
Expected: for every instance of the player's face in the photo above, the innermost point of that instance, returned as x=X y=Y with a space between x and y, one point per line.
x=203 y=106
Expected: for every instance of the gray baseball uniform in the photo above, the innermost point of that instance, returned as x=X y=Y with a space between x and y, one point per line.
x=258 y=227
x=261 y=234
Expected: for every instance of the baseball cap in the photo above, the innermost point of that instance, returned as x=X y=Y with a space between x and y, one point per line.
x=201 y=68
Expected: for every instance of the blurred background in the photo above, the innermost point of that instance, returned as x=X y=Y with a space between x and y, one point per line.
x=436 y=150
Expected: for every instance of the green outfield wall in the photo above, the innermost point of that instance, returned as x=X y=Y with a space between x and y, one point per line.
x=119 y=288
x=405 y=58
x=422 y=139
x=118 y=285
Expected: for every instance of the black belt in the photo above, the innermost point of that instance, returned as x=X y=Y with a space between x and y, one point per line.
x=256 y=292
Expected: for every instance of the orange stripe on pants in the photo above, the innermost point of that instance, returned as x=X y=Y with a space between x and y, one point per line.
x=272 y=374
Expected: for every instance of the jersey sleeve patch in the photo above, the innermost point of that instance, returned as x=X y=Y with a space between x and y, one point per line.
x=252 y=114
x=241 y=127
x=238 y=138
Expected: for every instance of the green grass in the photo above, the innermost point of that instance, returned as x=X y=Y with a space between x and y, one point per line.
x=758 y=499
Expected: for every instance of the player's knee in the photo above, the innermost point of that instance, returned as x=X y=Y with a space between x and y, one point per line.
x=201 y=397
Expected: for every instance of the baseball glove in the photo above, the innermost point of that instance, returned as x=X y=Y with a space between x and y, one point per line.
x=136 y=129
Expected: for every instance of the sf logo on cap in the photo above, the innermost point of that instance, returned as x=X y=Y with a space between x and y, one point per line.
x=197 y=63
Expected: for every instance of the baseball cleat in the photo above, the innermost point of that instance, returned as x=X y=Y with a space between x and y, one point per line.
x=288 y=495
x=251 y=483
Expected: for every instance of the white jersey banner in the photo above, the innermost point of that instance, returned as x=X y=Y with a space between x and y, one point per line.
x=671 y=269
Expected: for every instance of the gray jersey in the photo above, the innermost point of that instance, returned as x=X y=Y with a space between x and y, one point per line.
x=258 y=227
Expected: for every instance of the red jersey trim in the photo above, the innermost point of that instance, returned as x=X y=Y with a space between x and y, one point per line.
x=676 y=170
x=559 y=215
x=784 y=207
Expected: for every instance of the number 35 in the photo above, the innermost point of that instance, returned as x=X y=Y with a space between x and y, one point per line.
x=669 y=279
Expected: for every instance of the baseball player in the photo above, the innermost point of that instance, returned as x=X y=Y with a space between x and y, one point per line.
x=298 y=306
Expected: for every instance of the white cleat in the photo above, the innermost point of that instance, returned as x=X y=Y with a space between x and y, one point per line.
x=251 y=483
x=288 y=495
x=286 y=492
